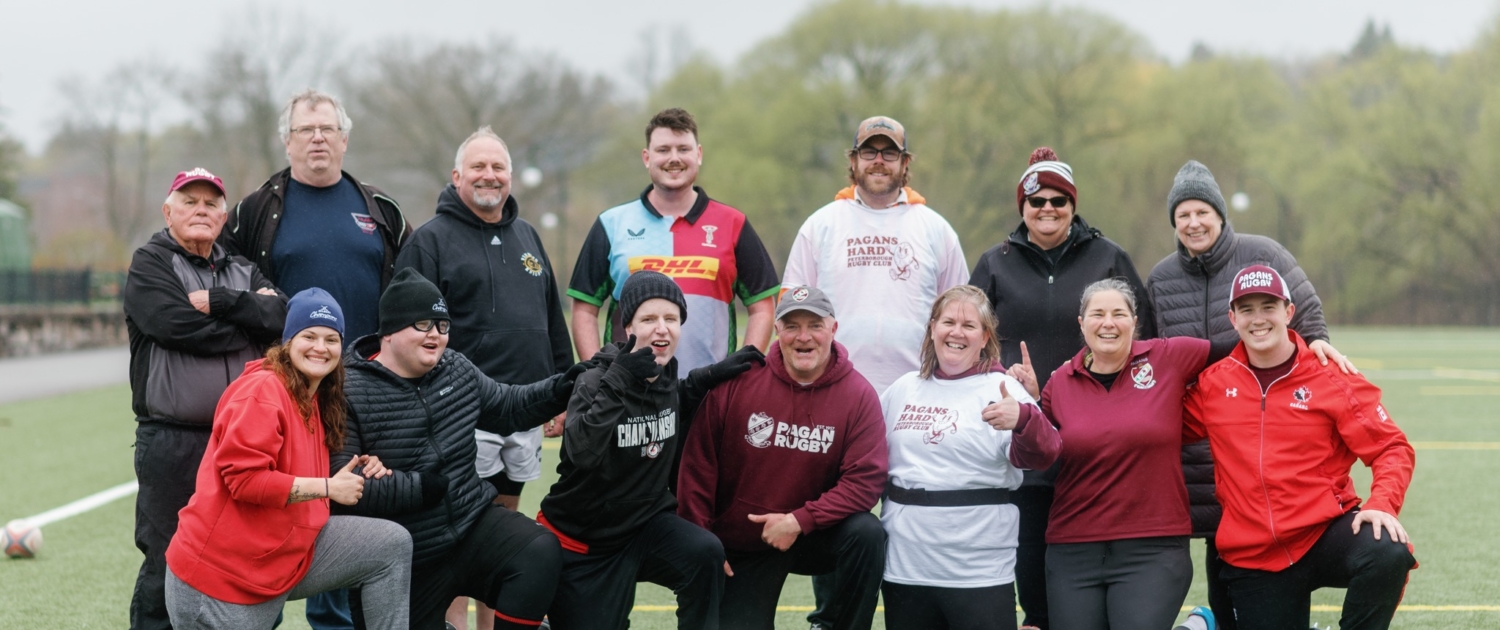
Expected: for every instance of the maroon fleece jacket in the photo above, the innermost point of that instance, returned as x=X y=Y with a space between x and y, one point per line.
x=765 y=444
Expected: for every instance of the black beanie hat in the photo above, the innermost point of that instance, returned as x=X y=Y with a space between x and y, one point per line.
x=1194 y=181
x=644 y=285
x=409 y=299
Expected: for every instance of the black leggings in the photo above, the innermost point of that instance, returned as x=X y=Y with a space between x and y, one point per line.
x=1128 y=584
x=936 y=608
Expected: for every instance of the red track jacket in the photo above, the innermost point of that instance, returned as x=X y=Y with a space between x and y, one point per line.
x=1282 y=457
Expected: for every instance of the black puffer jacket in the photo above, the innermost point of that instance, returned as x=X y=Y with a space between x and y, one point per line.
x=1191 y=299
x=1037 y=301
x=429 y=427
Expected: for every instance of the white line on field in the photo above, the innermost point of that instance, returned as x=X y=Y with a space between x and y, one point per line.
x=83 y=505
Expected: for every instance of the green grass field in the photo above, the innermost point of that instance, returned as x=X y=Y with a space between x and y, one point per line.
x=1441 y=386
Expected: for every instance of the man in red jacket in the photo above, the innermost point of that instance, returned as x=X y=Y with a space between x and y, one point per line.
x=783 y=464
x=1284 y=430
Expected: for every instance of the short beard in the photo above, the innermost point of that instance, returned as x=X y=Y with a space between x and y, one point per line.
x=895 y=179
x=486 y=204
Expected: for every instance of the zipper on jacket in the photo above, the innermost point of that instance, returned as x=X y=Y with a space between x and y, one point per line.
x=1261 y=456
x=490 y=268
x=432 y=439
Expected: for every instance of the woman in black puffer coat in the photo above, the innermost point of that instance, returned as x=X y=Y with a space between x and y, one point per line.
x=1189 y=293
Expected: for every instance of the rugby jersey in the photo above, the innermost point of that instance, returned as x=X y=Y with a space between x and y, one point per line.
x=712 y=253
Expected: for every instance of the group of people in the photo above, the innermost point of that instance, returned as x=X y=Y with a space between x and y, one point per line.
x=371 y=457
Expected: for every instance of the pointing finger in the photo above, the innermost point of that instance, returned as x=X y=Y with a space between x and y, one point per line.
x=1025 y=356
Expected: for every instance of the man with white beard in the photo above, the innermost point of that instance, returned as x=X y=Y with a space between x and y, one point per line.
x=883 y=257
x=498 y=283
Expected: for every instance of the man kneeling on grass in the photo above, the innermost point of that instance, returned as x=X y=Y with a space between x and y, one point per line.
x=1284 y=430
x=611 y=506
x=414 y=403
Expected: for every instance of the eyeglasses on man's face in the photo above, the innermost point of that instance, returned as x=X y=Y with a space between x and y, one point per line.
x=308 y=131
x=889 y=155
x=427 y=324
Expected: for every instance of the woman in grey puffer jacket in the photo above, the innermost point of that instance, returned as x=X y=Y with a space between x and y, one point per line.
x=1189 y=290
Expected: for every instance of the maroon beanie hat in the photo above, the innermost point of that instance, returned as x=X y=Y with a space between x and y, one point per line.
x=1045 y=171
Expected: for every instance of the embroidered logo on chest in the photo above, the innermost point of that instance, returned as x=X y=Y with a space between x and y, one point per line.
x=1300 y=397
x=1142 y=375
x=532 y=265
x=365 y=223
x=708 y=235
x=635 y=235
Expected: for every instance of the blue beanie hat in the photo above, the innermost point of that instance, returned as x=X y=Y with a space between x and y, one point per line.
x=312 y=307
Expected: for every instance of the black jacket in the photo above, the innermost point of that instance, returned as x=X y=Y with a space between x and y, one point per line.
x=429 y=427
x=1037 y=302
x=498 y=282
x=181 y=359
x=252 y=223
x=1191 y=298
x=617 y=455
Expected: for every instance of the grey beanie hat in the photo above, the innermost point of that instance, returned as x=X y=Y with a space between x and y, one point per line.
x=1194 y=181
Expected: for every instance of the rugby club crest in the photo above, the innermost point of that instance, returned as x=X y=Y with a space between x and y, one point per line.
x=759 y=430
x=532 y=265
x=1142 y=375
x=1031 y=185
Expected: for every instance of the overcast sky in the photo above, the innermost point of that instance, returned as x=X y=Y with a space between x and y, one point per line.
x=43 y=42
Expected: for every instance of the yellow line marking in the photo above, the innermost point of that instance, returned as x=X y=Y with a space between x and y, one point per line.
x=1316 y=608
x=1460 y=390
x=1489 y=376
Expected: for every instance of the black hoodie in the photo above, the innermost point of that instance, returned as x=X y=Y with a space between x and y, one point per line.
x=617 y=456
x=498 y=282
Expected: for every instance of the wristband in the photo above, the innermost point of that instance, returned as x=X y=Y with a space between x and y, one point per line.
x=326 y=494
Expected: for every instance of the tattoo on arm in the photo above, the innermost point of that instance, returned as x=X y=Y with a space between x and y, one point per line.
x=298 y=495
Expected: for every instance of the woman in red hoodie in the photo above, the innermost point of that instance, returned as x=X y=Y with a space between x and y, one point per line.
x=257 y=531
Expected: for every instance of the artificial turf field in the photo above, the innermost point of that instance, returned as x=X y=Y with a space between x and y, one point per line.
x=1441 y=386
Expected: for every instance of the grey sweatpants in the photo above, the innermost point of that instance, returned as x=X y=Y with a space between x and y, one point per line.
x=1129 y=584
x=351 y=551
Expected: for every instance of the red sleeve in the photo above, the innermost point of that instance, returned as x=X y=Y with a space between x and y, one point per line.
x=246 y=454
x=1189 y=354
x=698 y=477
x=862 y=473
x=1373 y=436
x=1035 y=443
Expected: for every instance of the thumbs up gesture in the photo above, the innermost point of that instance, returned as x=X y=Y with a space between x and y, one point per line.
x=346 y=486
x=1003 y=415
x=1024 y=373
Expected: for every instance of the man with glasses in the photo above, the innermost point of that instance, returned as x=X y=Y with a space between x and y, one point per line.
x=415 y=403
x=313 y=225
x=883 y=257
x=495 y=275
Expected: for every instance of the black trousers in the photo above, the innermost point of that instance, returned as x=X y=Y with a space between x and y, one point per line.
x=1218 y=590
x=1035 y=505
x=1129 y=584
x=855 y=548
x=506 y=561
x=166 y=466
x=1374 y=571
x=909 y=607
x=596 y=592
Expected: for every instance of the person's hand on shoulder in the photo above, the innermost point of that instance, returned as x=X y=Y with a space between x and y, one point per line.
x=737 y=363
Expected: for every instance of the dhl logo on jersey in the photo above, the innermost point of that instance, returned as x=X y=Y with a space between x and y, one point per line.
x=699 y=267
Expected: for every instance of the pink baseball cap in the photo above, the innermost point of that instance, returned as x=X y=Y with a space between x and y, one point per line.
x=1258 y=279
x=199 y=174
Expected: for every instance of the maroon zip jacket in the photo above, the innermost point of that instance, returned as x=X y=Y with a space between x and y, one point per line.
x=764 y=444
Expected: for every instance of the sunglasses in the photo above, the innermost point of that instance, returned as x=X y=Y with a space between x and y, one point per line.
x=1059 y=201
x=427 y=324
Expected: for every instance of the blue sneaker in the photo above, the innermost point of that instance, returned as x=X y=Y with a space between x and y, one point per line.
x=1207 y=615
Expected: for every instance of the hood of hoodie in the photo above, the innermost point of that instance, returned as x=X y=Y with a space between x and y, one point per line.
x=839 y=367
x=912 y=196
x=451 y=204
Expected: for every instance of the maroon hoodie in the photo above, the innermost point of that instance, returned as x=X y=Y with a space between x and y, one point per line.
x=764 y=444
